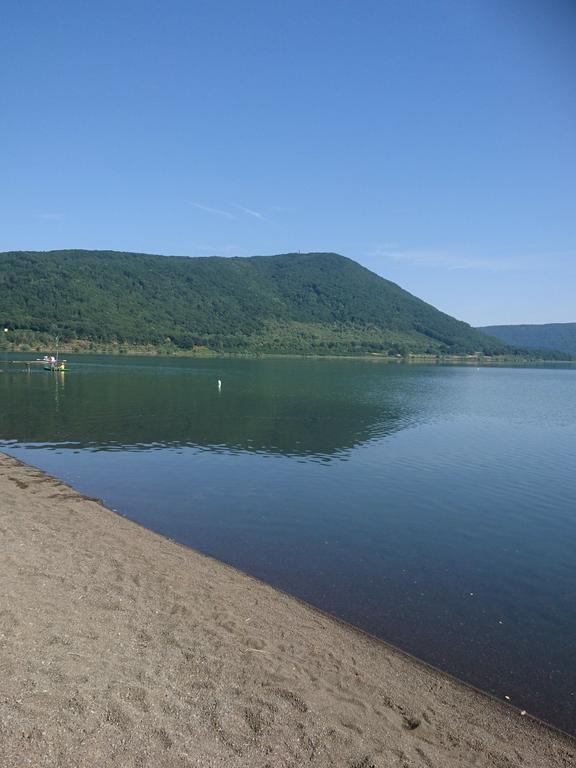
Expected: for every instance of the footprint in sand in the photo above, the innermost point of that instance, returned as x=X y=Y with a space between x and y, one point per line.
x=118 y=717
x=291 y=698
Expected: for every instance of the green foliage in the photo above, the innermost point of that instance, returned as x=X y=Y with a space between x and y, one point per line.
x=318 y=303
x=551 y=336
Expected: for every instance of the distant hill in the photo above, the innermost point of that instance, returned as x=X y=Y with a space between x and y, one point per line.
x=293 y=303
x=560 y=336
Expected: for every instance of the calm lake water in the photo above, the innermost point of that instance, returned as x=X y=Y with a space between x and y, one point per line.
x=432 y=506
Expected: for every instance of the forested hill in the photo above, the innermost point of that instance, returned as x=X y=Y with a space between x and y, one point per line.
x=561 y=336
x=303 y=303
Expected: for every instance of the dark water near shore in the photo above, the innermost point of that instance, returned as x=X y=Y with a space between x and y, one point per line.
x=432 y=506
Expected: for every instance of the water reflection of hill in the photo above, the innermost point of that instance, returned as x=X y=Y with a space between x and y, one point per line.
x=295 y=408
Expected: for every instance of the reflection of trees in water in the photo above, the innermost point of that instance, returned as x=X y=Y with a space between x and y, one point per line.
x=299 y=409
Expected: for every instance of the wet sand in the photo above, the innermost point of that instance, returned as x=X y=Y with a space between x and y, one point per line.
x=121 y=648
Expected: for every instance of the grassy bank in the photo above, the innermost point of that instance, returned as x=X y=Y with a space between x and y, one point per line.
x=45 y=345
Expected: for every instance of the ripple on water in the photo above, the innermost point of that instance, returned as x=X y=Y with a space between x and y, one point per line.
x=433 y=506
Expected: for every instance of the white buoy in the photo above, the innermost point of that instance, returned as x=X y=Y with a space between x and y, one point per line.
x=219 y=385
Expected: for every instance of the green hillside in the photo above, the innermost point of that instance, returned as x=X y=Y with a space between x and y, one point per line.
x=293 y=303
x=560 y=336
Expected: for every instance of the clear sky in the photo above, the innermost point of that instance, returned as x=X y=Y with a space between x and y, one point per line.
x=433 y=141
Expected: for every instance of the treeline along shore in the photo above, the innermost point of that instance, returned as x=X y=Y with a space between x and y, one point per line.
x=122 y=648
x=296 y=303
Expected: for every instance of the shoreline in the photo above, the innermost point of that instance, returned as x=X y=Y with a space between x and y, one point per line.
x=374 y=357
x=119 y=647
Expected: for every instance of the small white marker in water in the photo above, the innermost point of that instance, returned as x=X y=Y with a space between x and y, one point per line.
x=219 y=385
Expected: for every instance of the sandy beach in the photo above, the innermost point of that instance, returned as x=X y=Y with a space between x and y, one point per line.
x=121 y=648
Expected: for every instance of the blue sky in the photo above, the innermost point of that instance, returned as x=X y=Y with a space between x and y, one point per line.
x=433 y=141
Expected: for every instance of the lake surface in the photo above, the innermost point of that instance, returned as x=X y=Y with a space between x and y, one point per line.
x=432 y=506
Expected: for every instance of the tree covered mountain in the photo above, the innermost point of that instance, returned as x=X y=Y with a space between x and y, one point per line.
x=560 y=336
x=292 y=303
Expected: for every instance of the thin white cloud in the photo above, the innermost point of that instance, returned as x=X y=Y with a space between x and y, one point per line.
x=215 y=211
x=249 y=212
x=49 y=216
x=442 y=259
